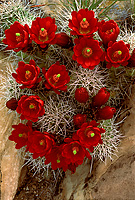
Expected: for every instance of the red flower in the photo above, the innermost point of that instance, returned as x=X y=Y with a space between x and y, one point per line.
x=101 y=97
x=132 y=59
x=20 y=134
x=56 y=77
x=12 y=104
x=87 y=52
x=83 y=22
x=81 y=95
x=63 y=40
x=117 y=54
x=43 y=31
x=40 y=144
x=89 y=134
x=106 y=113
x=79 y=119
x=30 y=107
x=17 y=37
x=108 y=31
x=27 y=74
x=56 y=159
x=74 y=151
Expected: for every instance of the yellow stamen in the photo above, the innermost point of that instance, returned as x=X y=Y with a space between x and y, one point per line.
x=92 y=134
x=119 y=52
x=74 y=152
x=18 y=34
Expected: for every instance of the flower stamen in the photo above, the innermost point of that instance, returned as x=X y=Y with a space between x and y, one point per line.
x=42 y=142
x=27 y=74
x=87 y=52
x=17 y=34
x=92 y=134
x=116 y=56
x=74 y=152
x=84 y=19
x=32 y=106
x=18 y=37
x=56 y=77
x=20 y=135
x=109 y=31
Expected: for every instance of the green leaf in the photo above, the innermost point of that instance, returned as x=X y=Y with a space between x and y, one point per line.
x=106 y=9
x=95 y=5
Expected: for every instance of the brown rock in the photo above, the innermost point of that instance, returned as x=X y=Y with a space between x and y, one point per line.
x=10 y=159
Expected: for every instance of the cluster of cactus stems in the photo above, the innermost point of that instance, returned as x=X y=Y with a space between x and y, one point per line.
x=61 y=107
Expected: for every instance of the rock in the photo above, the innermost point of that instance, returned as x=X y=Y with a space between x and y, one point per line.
x=10 y=158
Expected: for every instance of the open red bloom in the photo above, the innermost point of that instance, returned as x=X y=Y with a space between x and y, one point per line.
x=43 y=31
x=89 y=134
x=56 y=159
x=20 y=134
x=101 y=97
x=40 y=144
x=17 y=37
x=74 y=151
x=83 y=22
x=106 y=113
x=79 y=119
x=56 y=77
x=87 y=52
x=81 y=95
x=108 y=31
x=30 y=107
x=117 y=54
x=27 y=74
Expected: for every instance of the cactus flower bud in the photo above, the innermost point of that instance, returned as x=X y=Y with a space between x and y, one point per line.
x=63 y=40
x=106 y=113
x=101 y=97
x=79 y=119
x=81 y=95
x=12 y=104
